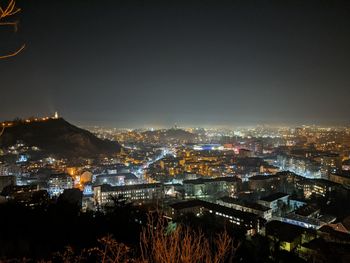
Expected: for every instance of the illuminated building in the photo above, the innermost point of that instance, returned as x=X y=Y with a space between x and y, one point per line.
x=288 y=236
x=117 y=179
x=269 y=169
x=317 y=187
x=330 y=163
x=208 y=147
x=138 y=192
x=249 y=207
x=58 y=183
x=263 y=183
x=220 y=186
x=28 y=195
x=275 y=201
x=346 y=165
x=250 y=222
x=302 y=166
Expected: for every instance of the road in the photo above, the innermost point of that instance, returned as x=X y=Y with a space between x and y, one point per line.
x=140 y=172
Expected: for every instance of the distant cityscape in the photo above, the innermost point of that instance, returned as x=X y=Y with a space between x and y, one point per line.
x=264 y=180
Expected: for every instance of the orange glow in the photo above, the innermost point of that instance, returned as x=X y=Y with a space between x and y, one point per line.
x=72 y=171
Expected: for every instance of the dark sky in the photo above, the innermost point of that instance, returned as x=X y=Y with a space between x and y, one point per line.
x=135 y=63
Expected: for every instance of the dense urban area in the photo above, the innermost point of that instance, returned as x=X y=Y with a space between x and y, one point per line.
x=167 y=131
x=282 y=192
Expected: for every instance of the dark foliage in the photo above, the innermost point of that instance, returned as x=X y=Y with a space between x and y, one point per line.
x=38 y=233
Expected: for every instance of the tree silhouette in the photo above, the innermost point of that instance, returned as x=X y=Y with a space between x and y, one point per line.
x=161 y=244
x=8 y=9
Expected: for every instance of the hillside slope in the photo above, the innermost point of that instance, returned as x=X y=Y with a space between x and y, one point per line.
x=59 y=138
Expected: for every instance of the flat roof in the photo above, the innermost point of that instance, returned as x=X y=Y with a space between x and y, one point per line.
x=274 y=197
x=187 y=204
x=262 y=177
x=284 y=231
x=210 y=180
x=251 y=205
x=345 y=174
x=128 y=176
x=109 y=188
x=303 y=219
x=215 y=207
x=306 y=210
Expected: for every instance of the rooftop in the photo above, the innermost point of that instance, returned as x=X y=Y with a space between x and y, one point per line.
x=251 y=205
x=303 y=219
x=215 y=207
x=127 y=176
x=187 y=204
x=337 y=234
x=210 y=180
x=307 y=210
x=262 y=177
x=59 y=175
x=109 y=188
x=345 y=174
x=273 y=197
x=284 y=231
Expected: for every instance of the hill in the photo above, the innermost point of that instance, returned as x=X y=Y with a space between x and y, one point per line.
x=59 y=138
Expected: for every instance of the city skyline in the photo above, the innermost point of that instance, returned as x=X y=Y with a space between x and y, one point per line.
x=176 y=125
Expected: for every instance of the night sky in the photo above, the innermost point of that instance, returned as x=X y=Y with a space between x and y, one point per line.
x=155 y=63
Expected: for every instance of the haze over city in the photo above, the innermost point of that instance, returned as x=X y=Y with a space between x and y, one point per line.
x=195 y=63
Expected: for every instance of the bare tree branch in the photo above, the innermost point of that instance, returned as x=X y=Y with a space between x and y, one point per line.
x=7 y=12
x=182 y=245
x=10 y=10
x=15 y=53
